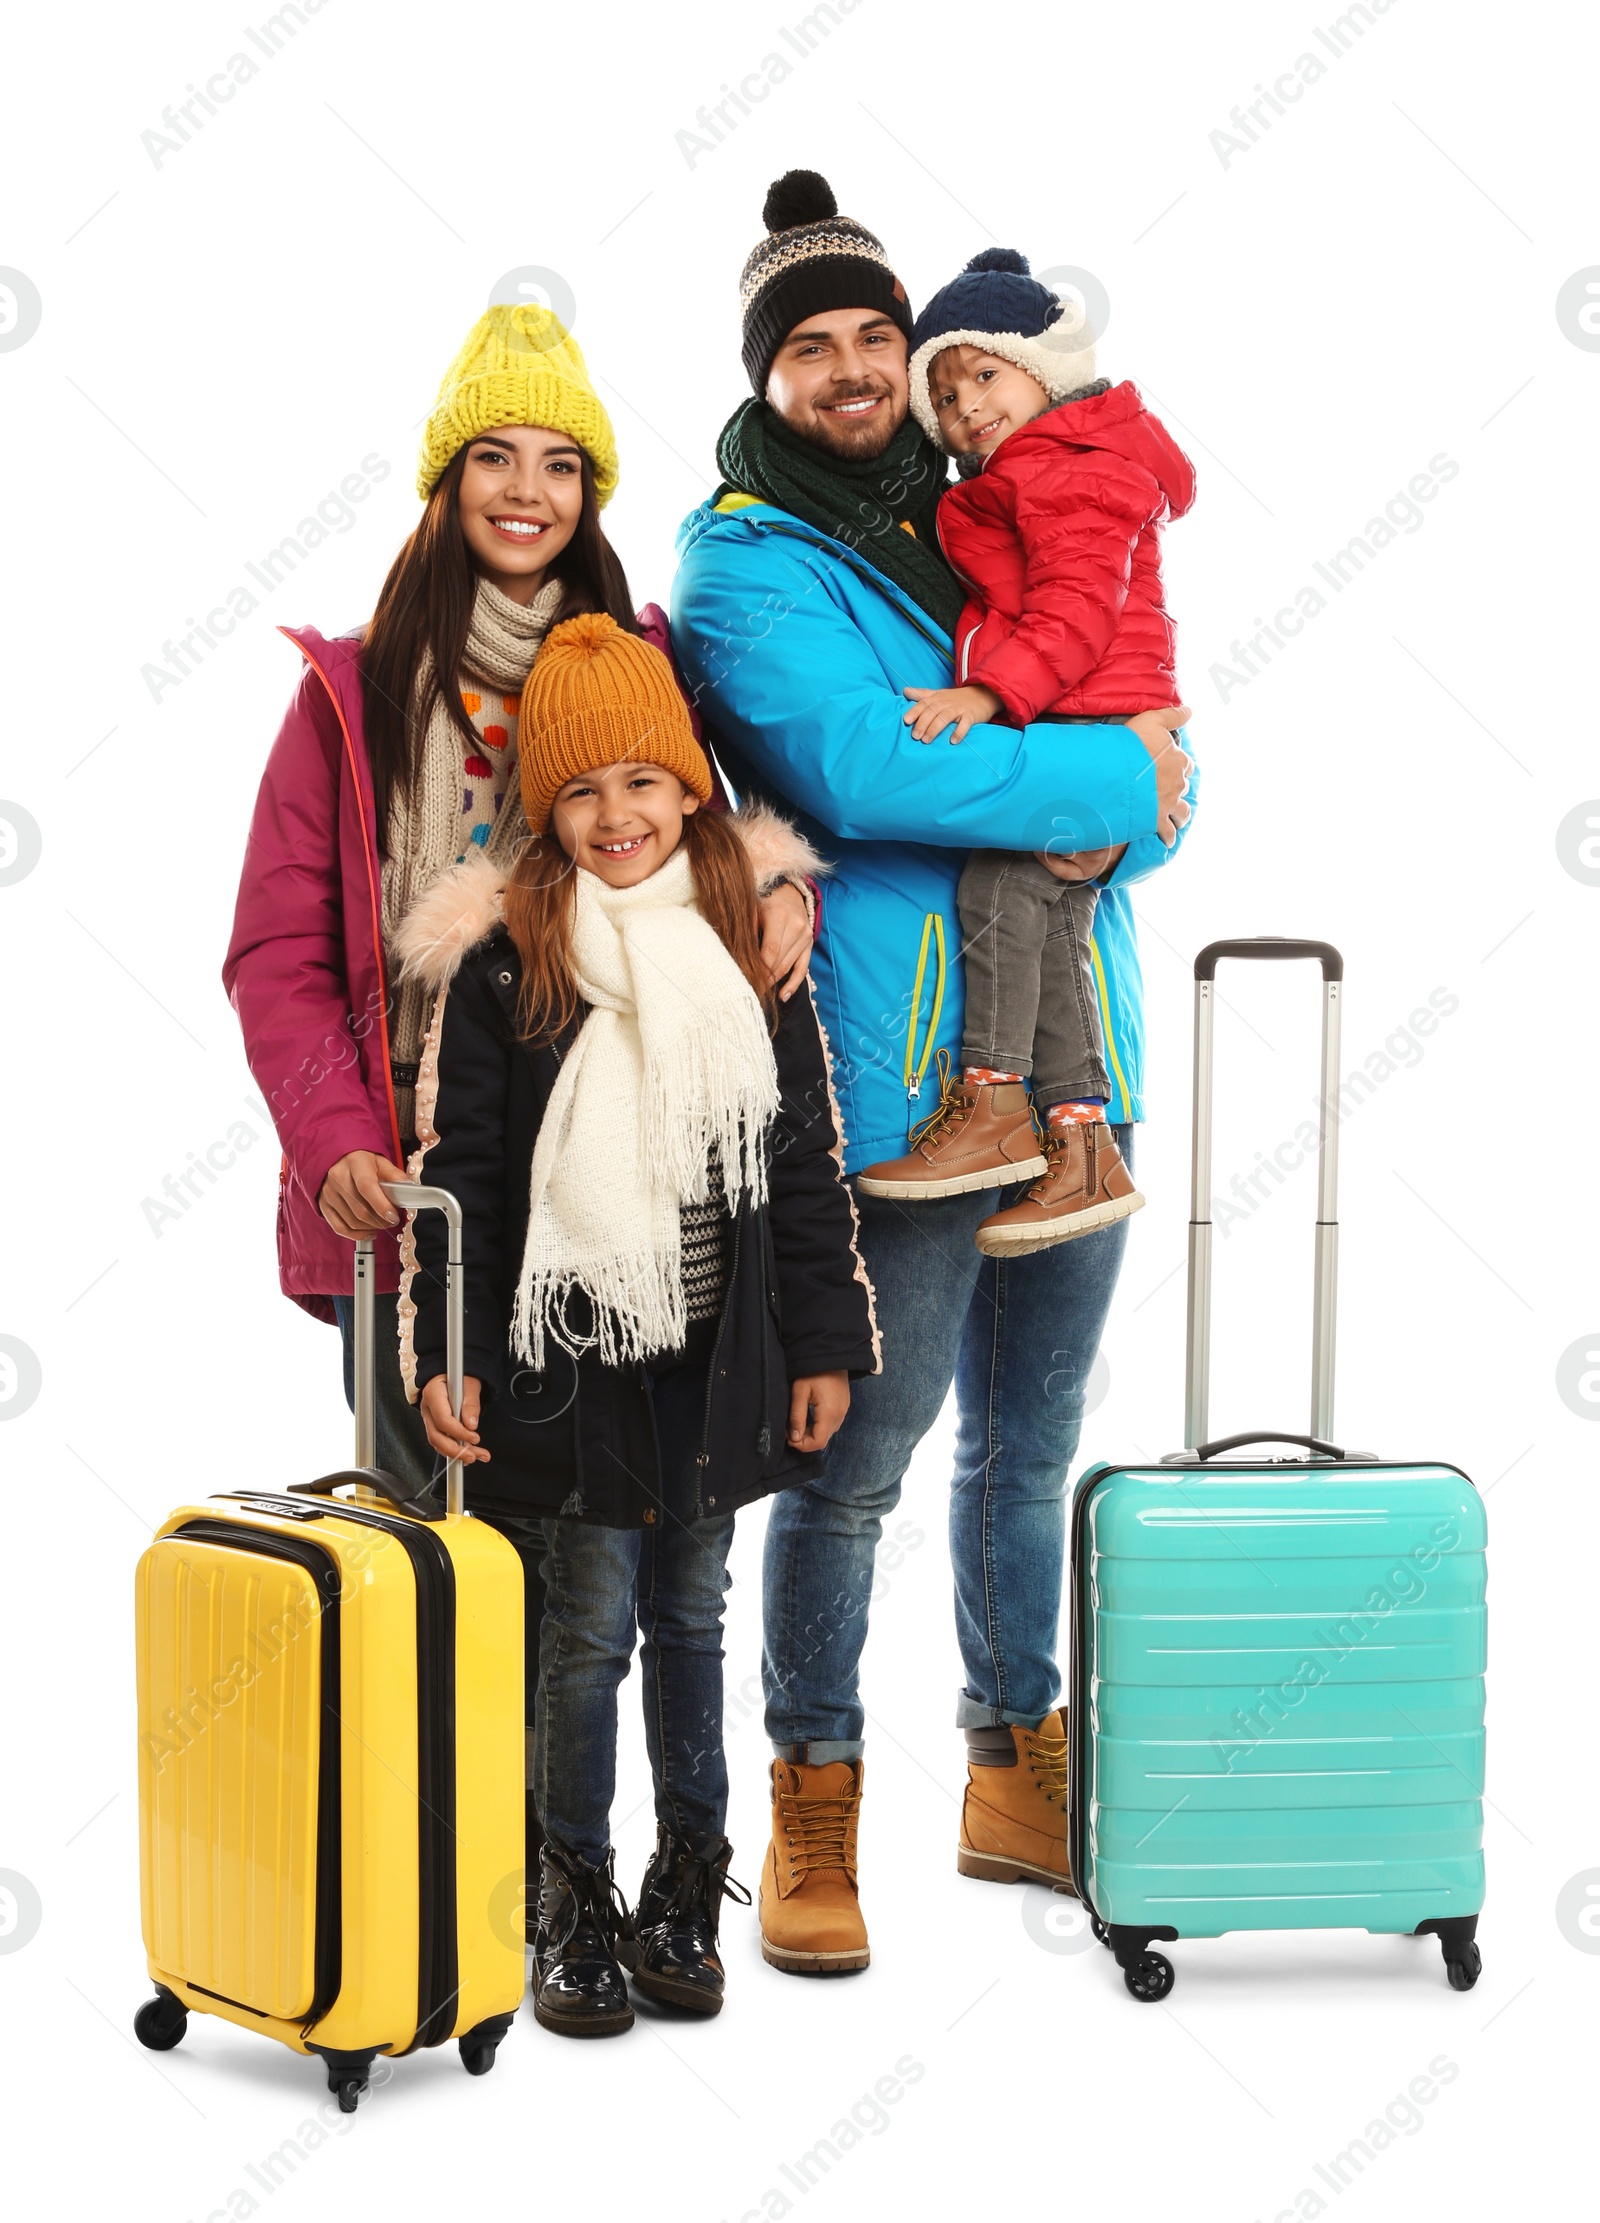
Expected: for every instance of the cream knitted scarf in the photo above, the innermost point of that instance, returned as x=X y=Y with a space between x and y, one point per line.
x=673 y=1061
x=503 y=639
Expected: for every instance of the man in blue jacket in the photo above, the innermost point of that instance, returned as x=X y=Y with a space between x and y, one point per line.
x=810 y=594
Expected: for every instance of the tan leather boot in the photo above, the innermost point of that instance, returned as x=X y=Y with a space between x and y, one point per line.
x=810 y=1913
x=1014 y=1816
x=1086 y=1186
x=981 y=1136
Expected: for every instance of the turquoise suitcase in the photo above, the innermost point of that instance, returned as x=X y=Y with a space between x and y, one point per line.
x=1278 y=1661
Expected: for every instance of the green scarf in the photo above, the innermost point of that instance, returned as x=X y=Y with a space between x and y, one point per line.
x=860 y=503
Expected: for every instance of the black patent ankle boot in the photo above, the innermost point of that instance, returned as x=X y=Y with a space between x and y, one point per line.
x=579 y=1989
x=675 y=1955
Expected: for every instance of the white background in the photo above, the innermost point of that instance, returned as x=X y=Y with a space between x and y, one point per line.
x=224 y=336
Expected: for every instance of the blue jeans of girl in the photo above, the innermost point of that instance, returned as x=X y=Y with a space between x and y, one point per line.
x=668 y=1580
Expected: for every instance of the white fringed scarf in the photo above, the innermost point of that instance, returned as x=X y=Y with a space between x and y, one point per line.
x=673 y=1061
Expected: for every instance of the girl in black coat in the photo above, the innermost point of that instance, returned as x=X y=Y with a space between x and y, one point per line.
x=664 y=1304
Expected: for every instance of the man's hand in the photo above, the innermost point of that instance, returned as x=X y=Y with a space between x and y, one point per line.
x=1082 y=864
x=1155 y=729
x=817 y=1405
x=452 y=1438
x=785 y=938
x=351 y=1198
x=937 y=706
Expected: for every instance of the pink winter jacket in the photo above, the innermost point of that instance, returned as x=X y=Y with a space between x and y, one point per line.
x=305 y=967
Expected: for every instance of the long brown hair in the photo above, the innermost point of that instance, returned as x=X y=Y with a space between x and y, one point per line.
x=426 y=607
x=538 y=915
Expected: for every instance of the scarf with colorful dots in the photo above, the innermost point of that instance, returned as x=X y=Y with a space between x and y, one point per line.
x=463 y=797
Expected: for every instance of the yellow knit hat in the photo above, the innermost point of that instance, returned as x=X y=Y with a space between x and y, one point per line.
x=520 y=366
x=599 y=696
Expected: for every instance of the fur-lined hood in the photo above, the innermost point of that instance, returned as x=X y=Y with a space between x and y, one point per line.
x=462 y=907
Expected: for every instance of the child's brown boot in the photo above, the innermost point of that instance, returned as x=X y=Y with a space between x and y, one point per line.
x=981 y=1137
x=1086 y=1186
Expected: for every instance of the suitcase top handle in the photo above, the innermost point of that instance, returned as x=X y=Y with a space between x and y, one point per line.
x=371 y=1478
x=1269 y=945
x=1269 y=1435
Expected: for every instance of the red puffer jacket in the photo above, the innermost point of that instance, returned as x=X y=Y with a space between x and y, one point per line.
x=1057 y=543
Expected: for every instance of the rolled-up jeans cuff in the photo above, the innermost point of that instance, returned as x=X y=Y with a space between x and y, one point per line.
x=820 y=1752
x=972 y=1713
x=988 y=1057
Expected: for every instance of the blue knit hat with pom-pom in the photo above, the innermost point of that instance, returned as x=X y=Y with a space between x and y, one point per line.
x=996 y=304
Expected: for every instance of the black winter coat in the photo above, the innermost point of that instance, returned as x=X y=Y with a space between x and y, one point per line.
x=579 y=1437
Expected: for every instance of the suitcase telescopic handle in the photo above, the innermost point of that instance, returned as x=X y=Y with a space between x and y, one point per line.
x=1197 y=1390
x=1269 y=945
x=411 y=1196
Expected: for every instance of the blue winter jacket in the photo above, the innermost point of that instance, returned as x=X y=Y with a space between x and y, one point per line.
x=795 y=650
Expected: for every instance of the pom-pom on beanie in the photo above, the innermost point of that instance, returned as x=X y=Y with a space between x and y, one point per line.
x=599 y=696
x=996 y=304
x=520 y=366
x=811 y=260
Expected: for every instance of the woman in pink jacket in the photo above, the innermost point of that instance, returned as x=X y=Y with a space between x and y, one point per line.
x=398 y=753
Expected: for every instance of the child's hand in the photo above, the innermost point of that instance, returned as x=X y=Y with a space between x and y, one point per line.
x=936 y=706
x=817 y=1405
x=1080 y=864
x=452 y=1438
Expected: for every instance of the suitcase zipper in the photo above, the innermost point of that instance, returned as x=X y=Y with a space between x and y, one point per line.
x=320 y=1565
x=438 y=1959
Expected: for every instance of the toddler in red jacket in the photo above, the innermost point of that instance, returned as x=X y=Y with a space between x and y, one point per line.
x=1065 y=482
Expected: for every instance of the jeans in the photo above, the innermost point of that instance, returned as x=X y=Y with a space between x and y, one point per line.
x=1019 y=1336
x=671 y=1578
x=403 y=1447
x=1031 y=1001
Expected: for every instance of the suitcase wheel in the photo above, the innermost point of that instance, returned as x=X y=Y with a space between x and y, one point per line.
x=347 y=2075
x=477 y=2047
x=161 y=2021
x=1463 y=1963
x=1152 y=1978
x=1464 y=1967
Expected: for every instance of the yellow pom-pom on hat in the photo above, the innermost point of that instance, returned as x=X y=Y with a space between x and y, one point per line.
x=598 y=696
x=520 y=366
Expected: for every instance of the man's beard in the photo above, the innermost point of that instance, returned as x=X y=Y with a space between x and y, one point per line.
x=852 y=442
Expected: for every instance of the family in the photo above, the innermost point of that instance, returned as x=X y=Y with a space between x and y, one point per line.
x=764 y=984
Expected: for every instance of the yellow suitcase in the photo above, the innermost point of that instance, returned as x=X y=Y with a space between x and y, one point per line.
x=331 y=1756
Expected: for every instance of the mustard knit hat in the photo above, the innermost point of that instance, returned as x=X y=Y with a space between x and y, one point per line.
x=599 y=696
x=520 y=366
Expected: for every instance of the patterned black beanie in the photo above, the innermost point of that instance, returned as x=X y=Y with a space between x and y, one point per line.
x=812 y=259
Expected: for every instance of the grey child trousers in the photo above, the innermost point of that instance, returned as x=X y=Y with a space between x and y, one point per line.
x=1031 y=1002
